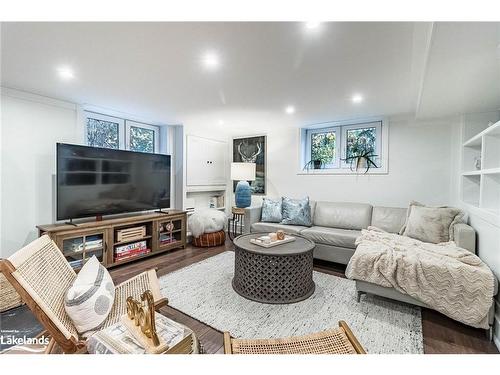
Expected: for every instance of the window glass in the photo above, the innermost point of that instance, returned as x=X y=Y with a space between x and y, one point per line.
x=360 y=141
x=142 y=139
x=323 y=147
x=102 y=133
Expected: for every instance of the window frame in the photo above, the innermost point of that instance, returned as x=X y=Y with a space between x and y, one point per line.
x=332 y=129
x=341 y=128
x=124 y=126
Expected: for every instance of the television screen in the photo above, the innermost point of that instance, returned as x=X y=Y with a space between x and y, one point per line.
x=98 y=181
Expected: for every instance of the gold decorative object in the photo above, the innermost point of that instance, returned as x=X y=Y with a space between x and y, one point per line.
x=280 y=235
x=143 y=315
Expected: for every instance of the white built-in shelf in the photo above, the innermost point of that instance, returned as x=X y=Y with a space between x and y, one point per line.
x=480 y=189
x=493 y=130
x=203 y=189
x=490 y=171
x=471 y=173
x=189 y=213
x=482 y=171
x=474 y=141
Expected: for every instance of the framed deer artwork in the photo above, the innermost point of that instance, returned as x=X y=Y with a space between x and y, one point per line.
x=252 y=150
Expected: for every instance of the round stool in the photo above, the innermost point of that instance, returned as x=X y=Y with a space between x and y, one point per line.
x=210 y=239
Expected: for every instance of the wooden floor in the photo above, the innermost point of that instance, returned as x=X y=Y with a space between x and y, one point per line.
x=441 y=334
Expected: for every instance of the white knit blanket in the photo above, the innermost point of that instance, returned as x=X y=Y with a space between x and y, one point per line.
x=445 y=277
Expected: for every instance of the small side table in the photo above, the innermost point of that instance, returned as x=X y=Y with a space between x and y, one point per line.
x=236 y=222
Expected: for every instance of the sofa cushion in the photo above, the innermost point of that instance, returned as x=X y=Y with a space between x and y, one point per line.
x=271 y=210
x=296 y=211
x=342 y=215
x=273 y=227
x=390 y=219
x=332 y=236
x=432 y=224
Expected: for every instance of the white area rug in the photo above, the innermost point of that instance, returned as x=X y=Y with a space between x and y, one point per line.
x=203 y=290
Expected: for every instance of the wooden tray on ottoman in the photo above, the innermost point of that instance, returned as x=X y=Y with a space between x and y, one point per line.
x=287 y=239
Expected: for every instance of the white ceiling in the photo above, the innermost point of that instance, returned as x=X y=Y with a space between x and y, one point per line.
x=153 y=70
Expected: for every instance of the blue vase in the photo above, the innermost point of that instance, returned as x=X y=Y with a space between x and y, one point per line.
x=243 y=194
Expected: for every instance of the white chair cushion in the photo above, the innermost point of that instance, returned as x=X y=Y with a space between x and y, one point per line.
x=89 y=300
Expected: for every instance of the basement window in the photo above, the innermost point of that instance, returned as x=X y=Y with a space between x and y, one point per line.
x=117 y=133
x=332 y=148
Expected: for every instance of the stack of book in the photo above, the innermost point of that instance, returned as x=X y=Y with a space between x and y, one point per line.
x=166 y=238
x=131 y=250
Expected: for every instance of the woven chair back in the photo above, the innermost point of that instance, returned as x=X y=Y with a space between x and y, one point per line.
x=44 y=273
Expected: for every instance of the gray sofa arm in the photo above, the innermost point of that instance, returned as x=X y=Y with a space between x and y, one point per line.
x=465 y=237
x=252 y=215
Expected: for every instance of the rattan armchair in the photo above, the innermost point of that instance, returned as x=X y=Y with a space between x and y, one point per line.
x=41 y=275
x=339 y=340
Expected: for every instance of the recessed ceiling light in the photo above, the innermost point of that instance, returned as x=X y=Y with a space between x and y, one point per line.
x=312 y=25
x=290 y=109
x=221 y=122
x=210 y=60
x=357 y=98
x=65 y=73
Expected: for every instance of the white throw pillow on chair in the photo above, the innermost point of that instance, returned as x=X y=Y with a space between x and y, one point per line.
x=90 y=299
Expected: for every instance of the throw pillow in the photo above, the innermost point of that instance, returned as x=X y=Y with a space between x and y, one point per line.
x=271 y=210
x=89 y=300
x=431 y=224
x=296 y=211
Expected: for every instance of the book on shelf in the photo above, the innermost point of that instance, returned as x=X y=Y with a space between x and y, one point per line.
x=166 y=238
x=133 y=251
x=216 y=201
x=132 y=246
x=168 y=241
x=131 y=254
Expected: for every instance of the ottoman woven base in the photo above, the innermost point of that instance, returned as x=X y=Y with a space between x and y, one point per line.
x=210 y=239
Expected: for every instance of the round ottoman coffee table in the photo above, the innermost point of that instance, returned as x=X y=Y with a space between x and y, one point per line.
x=280 y=274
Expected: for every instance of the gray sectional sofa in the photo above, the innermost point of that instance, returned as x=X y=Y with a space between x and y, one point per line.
x=336 y=225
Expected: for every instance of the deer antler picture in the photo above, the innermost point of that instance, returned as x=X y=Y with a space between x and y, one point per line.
x=252 y=150
x=246 y=154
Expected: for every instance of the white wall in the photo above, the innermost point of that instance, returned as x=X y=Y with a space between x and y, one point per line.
x=419 y=159
x=30 y=127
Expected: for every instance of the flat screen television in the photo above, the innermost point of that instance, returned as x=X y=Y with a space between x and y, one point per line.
x=95 y=181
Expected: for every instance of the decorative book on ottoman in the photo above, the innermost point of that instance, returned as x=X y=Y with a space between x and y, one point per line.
x=117 y=339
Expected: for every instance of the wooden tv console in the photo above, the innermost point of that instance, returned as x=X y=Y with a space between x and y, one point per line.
x=121 y=240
